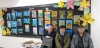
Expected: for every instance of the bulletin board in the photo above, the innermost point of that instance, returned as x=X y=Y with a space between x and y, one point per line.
x=30 y=21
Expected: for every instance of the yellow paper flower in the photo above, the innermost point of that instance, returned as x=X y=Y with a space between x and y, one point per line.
x=61 y=4
x=87 y=19
x=1 y=13
x=4 y=32
x=8 y=31
x=84 y=3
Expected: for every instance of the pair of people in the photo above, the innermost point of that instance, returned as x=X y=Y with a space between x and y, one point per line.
x=62 y=39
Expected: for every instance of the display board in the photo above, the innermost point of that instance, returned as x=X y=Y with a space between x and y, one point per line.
x=30 y=21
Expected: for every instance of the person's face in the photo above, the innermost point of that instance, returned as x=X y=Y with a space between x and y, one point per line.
x=62 y=29
x=50 y=28
x=81 y=29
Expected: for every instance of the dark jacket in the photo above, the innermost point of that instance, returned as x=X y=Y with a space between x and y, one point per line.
x=66 y=40
x=87 y=41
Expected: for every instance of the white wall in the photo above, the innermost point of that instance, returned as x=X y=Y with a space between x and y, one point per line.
x=15 y=42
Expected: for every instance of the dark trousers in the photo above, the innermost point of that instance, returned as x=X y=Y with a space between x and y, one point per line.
x=42 y=46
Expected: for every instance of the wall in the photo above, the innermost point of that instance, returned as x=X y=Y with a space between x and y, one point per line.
x=15 y=42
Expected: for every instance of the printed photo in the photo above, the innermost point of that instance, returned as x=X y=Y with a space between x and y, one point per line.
x=14 y=23
x=34 y=30
x=8 y=16
x=47 y=16
x=18 y=14
x=19 y=22
x=13 y=16
x=69 y=24
x=33 y=13
x=69 y=31
x=61 y=22
x=41 y=30
x=40 y=21
x=20 y=30
x=26 y=13
x=13 y=30
x=75 y=29
x=54 y=13
x=9 y=24
x=27 y=20
x=34 y=22
x=27 y=28
x=77 y=19
x=62 y=14
x=70 y=14
x=54 y=23
x=40 y=13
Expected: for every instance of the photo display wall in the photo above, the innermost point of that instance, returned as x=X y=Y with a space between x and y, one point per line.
x=30 y=21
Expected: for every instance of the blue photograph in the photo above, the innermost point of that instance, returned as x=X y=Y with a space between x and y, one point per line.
x=26 y=13
x=69 y=31
x=14 y=23
x=19 y=22
x=69 y=24
x=27 y=20
x=9 y=24
x=41 y=30
x=20 y=30
x=8 y=16
x=14 y=31
x=13 y=15
x=27 y=28
x=19 y=14
x=34 y=22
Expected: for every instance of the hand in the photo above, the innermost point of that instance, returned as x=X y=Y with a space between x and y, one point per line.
x=47 y=36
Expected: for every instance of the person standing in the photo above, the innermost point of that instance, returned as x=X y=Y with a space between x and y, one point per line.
x=62 y=38
x=81 y=39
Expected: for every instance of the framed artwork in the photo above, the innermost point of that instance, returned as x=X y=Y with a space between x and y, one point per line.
x=61 y=22
x=34 y=22
x=54 y=23
x=33 y=13
x=77 y=19
x=40 y=21
x=54 y=13
x=9 y=24
x=69 y=31
x=75 y=29
x=70 y=14
x=40 y=13
x=19 y=14
x=19 y=22
x=41 y=30
x=27 y=28
x=13 y=16
x=34 y=30
x=26 y=13
x=13 y=30
x=69 y=24
x=14 y=24
x=20 y=30
x=27 y=20
x=8 y=16
x=47 y=16
x=61 y=14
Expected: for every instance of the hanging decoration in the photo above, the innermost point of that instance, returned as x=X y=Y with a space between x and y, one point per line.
x=1 y=12
x=70 y=4
x=77 y=2
x=61 y=4
x=8 y=32
x=87 y=11
x=87 y=19
x=5 y=9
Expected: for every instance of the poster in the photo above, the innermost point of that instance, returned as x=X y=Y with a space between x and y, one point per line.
x=14 y=24
x=9 y=24
x=54 y=23
x=77 y=19
x=34 y=30
x=34 y=22
x=26 y=13
x=27 y=20
x=8 y=16
x=69 y=24
x=69 y=31
x=18 y=14
x=75 y=29
x=13 y=30
x=40 y=13
x=19 y=22
x=61 y=22
x=47 y=16
x=13 y=16
x=41 y=30
x=20 y=30
x=61 y=14
x=40 y=21
x=70 y=14
x=27 y=28
x=33 y=13
x=54 y=13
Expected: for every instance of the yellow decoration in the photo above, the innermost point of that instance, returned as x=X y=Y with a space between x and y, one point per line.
x=61 y=4
x=1 y=13
x=4 y=32
x=8 y=31
x=87 y=19
x=84 y=4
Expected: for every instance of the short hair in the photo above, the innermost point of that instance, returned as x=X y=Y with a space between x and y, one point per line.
x=80 y=26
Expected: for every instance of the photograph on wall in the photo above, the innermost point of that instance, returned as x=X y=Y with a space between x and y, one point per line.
x=27 y=28
x=13 y=16
x=34 y=30
x=9 y=24
x=27 y=20
x=19 y=22
x=20 y=30
x=69 y=24
x=69 y=31
x=18 y=14
x=70 y=14
x=8 y=16
x=54 y=13
x=47 y=16
x=61 y=22
x=74 y=29
x=41 y=30
x=47 y=22
x=77 y=19
x=14 y=24
x=61 y=14
x=40 y=13
x=34 y=22
x=33 y=13
x=13 y=30
x=54 y=23
x=26 y=13
x=40 y=21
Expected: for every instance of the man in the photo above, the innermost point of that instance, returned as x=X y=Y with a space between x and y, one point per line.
x=62 y=38
x=49 y=33
x=81 y=39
